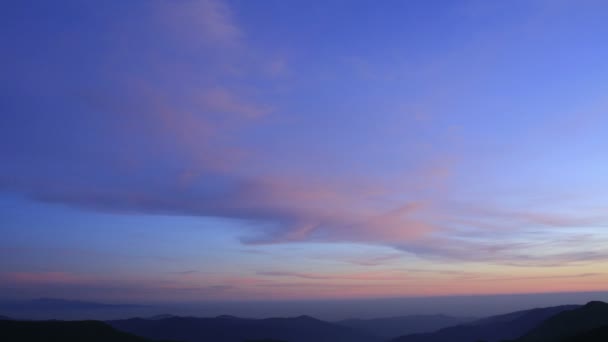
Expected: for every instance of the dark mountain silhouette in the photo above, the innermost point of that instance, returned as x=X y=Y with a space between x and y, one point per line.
x=63 y=331
x=5 y=318
x=569 y=324
x=233 y=329
x=46 y=304
x=491 y=329
x=595 y=335
x=391 y=327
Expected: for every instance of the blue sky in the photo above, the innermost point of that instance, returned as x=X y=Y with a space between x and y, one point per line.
x=295 y=150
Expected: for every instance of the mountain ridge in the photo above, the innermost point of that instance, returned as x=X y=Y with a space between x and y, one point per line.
x=569 y=324
x=491 y=329
x=233 y=329
x=391 y=327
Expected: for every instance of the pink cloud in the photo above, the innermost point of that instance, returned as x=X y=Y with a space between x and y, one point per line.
x=209 y=22
x=277 y=67
x=291 y=208
x=225 y=102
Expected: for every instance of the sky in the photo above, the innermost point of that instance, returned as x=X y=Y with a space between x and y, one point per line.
x=176 y=151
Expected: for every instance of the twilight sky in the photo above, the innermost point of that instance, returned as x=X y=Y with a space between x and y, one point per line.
x=279 y=150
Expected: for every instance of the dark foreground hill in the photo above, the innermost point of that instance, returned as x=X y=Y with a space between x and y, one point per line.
x=233 y=329
x=492 y=329
x=63 y=331
x=571 y=324
x=391 y=327
x=595 y=335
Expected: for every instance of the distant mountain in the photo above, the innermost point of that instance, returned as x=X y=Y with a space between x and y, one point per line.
x=63 y=331
x=391 y=327
x=59 y=304
x=4 y=318
x=233 y=329
x=491 y=329
x=569 y=324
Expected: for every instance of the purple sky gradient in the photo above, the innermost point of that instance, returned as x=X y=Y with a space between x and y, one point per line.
x=244 y=150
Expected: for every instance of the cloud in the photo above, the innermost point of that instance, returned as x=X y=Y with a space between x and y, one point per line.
x=225 y=102
x=567 y=276
x=47 y=278
x=277 y=67
x=292 y=274
x=94 y=287
x=179 y=133
x=185 y=273
x=375 y=260
x=209 y=22
x=363 y=276
x=491 y=218
x=544 y=252
x=398 y=275
x=164 y=159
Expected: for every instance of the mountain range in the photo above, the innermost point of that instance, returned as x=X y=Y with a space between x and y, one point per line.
x=234 y=329
x=491 y=329
x=391 y=327
x=569 y=323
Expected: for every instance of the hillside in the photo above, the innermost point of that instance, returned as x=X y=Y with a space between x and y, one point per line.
x=63 y=331
x=595 y=335
x=569 y=323
x=491 y=329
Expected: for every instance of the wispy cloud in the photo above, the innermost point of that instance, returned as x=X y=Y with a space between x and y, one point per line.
x=47 y=278
x=378 y=276
x=209 y=22
x=375 y=260
x=546 y=252
x=222 y=101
